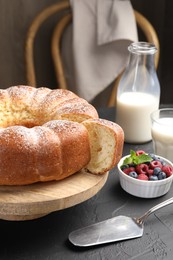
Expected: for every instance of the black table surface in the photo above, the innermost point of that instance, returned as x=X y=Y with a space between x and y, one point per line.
x=46 y=238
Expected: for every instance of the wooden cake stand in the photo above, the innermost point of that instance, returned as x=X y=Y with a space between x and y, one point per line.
x=39 y=199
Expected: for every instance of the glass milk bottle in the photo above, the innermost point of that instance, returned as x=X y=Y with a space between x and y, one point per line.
x=138 y=93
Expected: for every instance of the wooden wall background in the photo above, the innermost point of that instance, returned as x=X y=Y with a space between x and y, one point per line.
x=16 y=16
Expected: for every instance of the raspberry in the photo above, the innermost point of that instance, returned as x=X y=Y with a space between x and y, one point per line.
x=155 y=164
x=143 y=177
x=160 y=160
x=124 y=167
x=149 y=172
x=128 y=170
x=142 y=168
x=139 y=152
x=167 y=169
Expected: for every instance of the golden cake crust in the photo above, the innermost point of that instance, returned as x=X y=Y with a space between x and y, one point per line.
x=51 y=134
x=36 y=145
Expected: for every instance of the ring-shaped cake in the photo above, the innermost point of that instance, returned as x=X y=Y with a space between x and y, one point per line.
x=46 y=135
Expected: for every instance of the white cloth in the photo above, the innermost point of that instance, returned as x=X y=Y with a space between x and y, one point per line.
x=101 y=33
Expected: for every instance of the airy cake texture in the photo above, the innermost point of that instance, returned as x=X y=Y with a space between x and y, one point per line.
x=106 y=142
x=51 y=134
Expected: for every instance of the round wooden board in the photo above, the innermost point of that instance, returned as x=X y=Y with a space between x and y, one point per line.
x=39 y=199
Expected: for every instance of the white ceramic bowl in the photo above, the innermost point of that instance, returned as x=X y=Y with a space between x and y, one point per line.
x=144 y=189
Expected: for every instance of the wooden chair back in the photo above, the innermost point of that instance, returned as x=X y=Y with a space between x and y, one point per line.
x=144 y=25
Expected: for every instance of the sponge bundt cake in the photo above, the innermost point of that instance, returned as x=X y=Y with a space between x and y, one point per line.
x=50 y=134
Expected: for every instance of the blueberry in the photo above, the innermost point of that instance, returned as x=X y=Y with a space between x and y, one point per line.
x=133 y=174
x=152 y=156
x=160 y=160
x=132 y=165
x=156 y=171
x=153 y=178
x=161 y=175
x=125 y=166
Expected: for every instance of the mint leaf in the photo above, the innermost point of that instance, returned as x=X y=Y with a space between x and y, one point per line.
x=132 y=153
x=128 y=160
x=142 y=158
x=131 y=158
x=137 y=159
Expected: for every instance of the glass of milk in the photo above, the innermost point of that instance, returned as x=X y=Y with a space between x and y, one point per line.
x=162 y=132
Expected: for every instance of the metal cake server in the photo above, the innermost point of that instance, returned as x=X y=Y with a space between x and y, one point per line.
x=113 y=229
